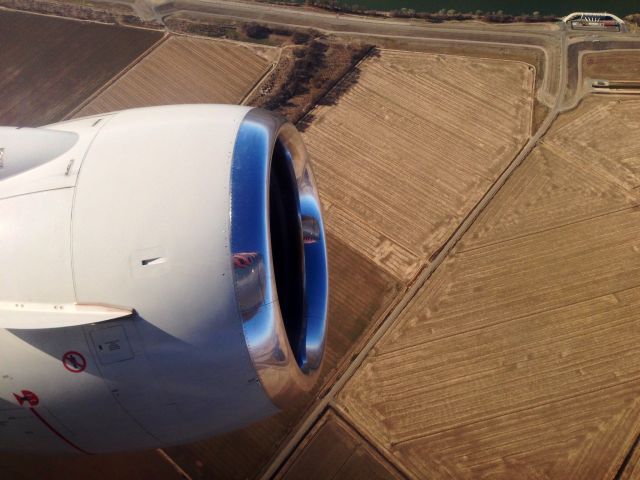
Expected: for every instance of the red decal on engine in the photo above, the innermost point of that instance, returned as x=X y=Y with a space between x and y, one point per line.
x=28 y=397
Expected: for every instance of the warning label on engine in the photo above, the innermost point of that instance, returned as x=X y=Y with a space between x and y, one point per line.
x=74 y=362
x=112 y=344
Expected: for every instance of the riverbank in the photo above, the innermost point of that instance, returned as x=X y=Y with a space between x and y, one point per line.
x=439 y=16
x=506 y=7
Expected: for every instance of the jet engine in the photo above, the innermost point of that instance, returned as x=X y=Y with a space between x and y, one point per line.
x=163 y=277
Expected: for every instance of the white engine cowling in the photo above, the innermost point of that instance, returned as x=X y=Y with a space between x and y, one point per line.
x=163 y=277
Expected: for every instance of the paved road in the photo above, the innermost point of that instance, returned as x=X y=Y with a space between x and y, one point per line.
x=304 y=17
x=541 y=37
x=581 y=45
x=307 y=18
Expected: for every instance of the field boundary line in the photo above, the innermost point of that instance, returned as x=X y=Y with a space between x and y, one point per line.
x=533 y=100
x=242 y=43
x=262 y=79
x=626 y=460
x=165 y=456
x=337 y=83
x=397 y=466
x=459 y=55
x=116 y=77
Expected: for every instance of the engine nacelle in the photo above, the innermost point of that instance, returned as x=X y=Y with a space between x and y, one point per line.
x=163 y=277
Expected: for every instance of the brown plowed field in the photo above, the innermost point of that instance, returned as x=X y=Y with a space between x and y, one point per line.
x=186 y=70
x=400 y=159
x=412 y=147
x=341 y=453
x=614 y=65
x=520 y=356
x=124 y=466
x=50 y=65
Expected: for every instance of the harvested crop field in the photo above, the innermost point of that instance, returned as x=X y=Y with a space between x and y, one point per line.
x=412 y=146
x=50 y=65
x=236 y=455
x=342 y=453
x=520 y=356
x=186 y=70
x=124 y=466
x=612 y=65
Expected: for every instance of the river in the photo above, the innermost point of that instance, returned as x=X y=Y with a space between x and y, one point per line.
x=545 y=7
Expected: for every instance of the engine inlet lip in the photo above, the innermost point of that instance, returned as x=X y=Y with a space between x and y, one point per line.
x=283 y=374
